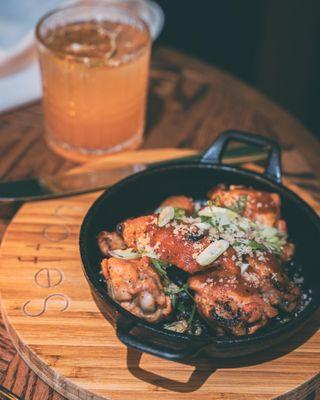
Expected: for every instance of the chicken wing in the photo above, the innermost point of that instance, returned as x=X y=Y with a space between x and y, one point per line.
x=258 y=206
x=177 y=243
x=136 y=286
x=227 y=301
x=266 y=273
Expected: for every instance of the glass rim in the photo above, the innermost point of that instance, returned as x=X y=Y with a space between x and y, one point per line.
x=91 y=5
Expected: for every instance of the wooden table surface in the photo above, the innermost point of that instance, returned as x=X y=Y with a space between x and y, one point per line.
x=189 y=104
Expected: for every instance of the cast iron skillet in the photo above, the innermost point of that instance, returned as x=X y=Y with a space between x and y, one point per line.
x=143 y=192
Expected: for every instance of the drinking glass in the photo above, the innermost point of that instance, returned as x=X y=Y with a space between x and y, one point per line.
x=94 y=62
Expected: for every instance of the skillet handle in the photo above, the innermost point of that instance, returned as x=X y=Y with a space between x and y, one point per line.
x=215 y=152
x=176 y=352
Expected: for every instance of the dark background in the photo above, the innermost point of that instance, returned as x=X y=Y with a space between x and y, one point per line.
x=273 y=45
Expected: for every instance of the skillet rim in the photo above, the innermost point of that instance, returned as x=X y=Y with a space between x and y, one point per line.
x=227 y=341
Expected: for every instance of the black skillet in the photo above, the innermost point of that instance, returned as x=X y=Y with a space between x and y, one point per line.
x=144 y=191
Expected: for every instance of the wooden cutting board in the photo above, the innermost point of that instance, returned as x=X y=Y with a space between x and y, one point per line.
x=59 y=332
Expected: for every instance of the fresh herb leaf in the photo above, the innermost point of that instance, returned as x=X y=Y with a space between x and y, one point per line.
x=256 y=246
x=181 y=307
x=160 y=267
x=179 y=213
x=173 y=299
x=205 y=219
x=172 y=294
x=239 y=205
x=192 y=314
x=185 y=288
x=237 y=243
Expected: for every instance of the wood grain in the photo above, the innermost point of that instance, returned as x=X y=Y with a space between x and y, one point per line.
x=74 y=349
x=189 y=104
x=59 y=332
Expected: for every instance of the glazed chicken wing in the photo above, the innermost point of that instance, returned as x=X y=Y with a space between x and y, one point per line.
x=176 y=243
x=266 y=273
x=136 y=286
x=227 y=301
x=258 y=206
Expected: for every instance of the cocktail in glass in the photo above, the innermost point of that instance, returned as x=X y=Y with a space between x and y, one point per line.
x=94 y=61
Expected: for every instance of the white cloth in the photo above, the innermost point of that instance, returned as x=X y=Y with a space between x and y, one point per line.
x=20 y=80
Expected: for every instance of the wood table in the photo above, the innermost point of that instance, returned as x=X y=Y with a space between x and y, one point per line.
x=189 y=104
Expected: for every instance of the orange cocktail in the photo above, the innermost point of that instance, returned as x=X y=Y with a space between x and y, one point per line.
x=94 y=63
